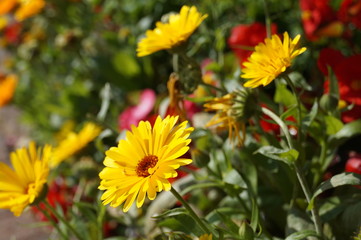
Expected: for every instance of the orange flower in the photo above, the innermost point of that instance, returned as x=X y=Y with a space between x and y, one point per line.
x=7 y=88
x=7 y=5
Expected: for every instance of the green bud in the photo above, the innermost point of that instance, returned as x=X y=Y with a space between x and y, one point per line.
x=328 y=102
x=200 y=157
x=245 y=231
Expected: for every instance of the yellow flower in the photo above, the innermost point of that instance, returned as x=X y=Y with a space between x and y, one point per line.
x=7 y=88
x=171 y=34
x=21 y=186
x=226 y=118
x=74 y=142
x=206 y=237
x=270 y=59
x=7 y=5
x=28 y=8
x=142 y=163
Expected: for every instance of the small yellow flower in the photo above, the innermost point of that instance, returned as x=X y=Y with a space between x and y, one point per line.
x=74 y=142
x=206 y=237
x=21 y=186
x=7 y=5
x=7 y=88
x=171 y=34
x=226 y=118
x=28 y=8
x=270 y=59
x=142 y=163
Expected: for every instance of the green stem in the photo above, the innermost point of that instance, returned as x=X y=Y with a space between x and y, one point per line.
x=268 y=19
x=60 y=218
x=51 y=220
x=175 y=62
x=299 y=111
x=190 y=211
x=213 y=87
x=315 y=215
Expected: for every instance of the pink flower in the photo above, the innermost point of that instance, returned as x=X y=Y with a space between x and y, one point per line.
x=132 y=115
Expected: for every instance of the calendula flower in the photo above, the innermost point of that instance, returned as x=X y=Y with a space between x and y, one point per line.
x=270 y=59
x=74 y=142
x=7 y=5
x=206 y=237
x=21 y=186
x=168 y=35
x=227 y=117
x=143 y=162
x=28 y=8
x=7 y=88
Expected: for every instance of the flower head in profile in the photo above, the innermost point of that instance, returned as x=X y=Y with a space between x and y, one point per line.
x=230 y=114
x=270 y=59
x=19 y=187
x=173 y=33
x=7 y=88
x=143 y=162
x=74 y=142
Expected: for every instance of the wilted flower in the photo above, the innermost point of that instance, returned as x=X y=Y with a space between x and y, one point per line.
x=171 y=34
x=21 y=186
x=231 y=114
x=7 y=88
x=270 y=59
x=142 y=163
x=74 y=142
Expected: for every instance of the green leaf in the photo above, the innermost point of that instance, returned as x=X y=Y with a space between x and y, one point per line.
x=255 y=216
x=284 y=96
x=287 y=156
x=125 y=64
x=302 y=235
x=333 y=125
x=347 y=131
x=172 y=212
x=336 y=181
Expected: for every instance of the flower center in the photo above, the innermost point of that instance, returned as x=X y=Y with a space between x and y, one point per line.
x=147 y=162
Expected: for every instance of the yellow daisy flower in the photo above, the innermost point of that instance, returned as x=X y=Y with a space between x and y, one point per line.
x=21 y=186
x=142 y=163
x=7 y=88
x=226 y=118
x=270 y=59
x=28 y=8
x=171 y=34
x=74 y=142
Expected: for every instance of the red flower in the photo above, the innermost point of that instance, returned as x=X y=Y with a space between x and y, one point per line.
x=132 y=115
x=12 y=33
x=319 y=19
x=59 y=194
x=244 y=37
x=350 y=12
x=348 y=73
x=353 y=164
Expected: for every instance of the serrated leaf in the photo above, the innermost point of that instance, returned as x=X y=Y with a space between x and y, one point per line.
x=302 y=235
x=287 y=156
x=341 y=179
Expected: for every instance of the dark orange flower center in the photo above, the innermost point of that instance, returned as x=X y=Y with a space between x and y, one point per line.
x=147 y=162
